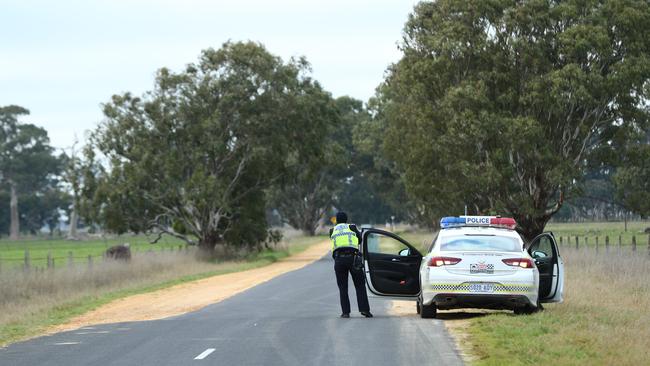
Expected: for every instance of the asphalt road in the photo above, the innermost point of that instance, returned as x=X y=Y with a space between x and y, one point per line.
x=290 y=320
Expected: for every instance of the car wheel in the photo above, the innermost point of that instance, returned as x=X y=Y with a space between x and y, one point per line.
x=417 y=306
x=428 y=311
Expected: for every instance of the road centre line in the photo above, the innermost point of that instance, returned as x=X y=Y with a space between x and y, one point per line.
x=205 y=354
x=94 y=332
x=66 y=343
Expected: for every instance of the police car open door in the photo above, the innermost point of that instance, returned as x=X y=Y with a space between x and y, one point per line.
x=391 y=265
x=544 y=251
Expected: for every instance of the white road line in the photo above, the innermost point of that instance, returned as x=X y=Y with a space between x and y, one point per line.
x=205 y=354
x=66 y=343
x=94 y=332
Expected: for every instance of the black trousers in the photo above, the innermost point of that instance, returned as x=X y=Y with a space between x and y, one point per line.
x=342 y=266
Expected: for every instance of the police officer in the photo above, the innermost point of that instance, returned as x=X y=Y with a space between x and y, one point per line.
x=345 y=249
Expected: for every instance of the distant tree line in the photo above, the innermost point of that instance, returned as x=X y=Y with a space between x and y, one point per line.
x=530 y=109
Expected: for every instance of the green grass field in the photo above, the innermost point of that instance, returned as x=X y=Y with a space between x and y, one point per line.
x=12 y=253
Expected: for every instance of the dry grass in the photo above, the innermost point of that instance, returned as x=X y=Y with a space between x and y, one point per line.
x=36 y=291
x=610 y=294
x=604 y=320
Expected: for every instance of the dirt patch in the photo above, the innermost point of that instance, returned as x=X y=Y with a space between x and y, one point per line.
x=190 y=296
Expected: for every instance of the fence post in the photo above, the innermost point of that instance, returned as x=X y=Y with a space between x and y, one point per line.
x=90 y=261
x=577 y=242
x=70 y=259
x=633 y=243
x=560 y=241
x=596 y=244
x=607 y=243
x=587 y=242
x=27 y=260
x=648 y=244
x=620 y=244
x=49 y=260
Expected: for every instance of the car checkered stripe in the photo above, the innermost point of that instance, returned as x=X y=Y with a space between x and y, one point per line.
x=498 y=288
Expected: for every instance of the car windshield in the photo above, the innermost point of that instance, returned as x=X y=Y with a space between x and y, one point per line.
x=480 y=242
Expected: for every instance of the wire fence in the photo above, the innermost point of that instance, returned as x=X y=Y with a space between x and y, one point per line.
x=49 y=261
x=607 y=244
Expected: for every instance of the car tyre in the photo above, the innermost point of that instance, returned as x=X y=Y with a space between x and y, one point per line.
x=428 y=311
x=417 y=306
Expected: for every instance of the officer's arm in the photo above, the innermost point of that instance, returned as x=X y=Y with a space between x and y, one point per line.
x=354 y=228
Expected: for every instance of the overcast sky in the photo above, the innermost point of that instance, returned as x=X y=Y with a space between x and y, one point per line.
x=62 y=59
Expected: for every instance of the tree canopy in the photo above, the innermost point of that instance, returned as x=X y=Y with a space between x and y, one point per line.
x=498 y=104
x=194 y=157
x=27 y=163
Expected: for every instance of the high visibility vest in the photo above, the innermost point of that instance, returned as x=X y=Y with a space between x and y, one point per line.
x=343 y=237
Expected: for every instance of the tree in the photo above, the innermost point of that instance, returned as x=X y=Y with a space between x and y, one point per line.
x=73 y=174
x=26 y=160
x=499 y=104
x=632 y=179
x=314 y=167
x=193 y=157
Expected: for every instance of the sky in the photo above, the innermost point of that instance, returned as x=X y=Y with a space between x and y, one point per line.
x=63 y=59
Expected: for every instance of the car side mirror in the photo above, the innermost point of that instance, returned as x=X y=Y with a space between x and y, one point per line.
x=405 y=252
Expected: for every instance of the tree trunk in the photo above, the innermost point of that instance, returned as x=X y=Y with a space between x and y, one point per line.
x=529 y=227
x=14 y=227
x=72 y=231
x=207 y=244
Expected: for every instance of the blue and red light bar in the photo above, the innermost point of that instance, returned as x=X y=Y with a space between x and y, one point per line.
x=489 y=221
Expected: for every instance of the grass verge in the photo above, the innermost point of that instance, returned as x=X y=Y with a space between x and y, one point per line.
x=42 y=300
x=604 y=319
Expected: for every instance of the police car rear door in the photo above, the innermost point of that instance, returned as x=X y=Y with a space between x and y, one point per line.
x=391 y=265
x=546 y=254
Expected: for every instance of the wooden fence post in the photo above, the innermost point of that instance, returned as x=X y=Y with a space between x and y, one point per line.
x=607 y=243
x=587 y=242
x=633 y=243
x=620 y=244
x=27 y=260
x=596 y=244
x=560 y=241
x=70 y=259
x=90 y=261
x=577 y=242
x=648 y=244
x=49 y=260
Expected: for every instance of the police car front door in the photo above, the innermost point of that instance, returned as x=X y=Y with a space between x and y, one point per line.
x=546 y=254
x=391 y=265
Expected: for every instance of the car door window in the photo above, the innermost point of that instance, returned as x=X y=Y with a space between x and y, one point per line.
x=381 y=244
x=543 y=248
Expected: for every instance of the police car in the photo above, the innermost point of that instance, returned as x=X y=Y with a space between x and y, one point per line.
x=474 y=262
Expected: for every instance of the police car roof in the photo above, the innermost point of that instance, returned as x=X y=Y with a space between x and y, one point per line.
x=479 y=230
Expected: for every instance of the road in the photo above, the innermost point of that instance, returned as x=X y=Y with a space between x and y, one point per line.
x=290 y=320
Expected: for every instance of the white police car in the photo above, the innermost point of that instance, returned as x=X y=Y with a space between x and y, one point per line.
x=474 y=262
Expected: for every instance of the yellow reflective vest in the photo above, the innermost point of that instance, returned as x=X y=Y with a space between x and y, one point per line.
x=343 y=237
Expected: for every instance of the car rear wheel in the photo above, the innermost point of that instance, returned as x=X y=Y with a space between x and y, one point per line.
x=529 y=309
x=417 y=306
x=427 y=311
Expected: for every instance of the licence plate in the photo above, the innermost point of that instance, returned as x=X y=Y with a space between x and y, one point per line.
x=481 y=287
